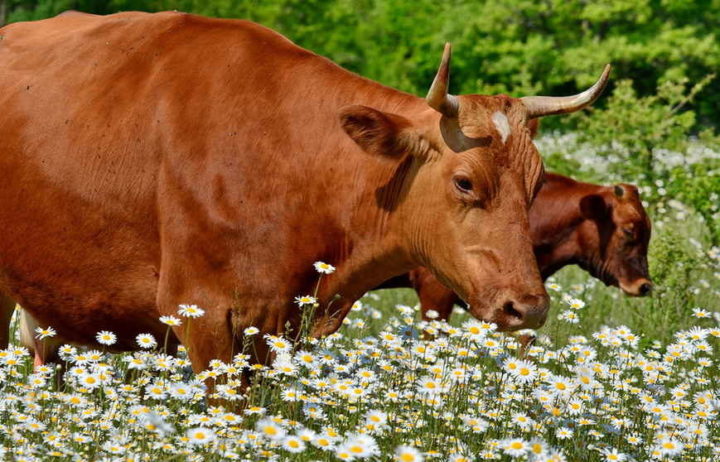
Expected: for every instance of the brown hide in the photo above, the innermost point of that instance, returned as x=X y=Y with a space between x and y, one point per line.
x=151 y=160
x=603 y=229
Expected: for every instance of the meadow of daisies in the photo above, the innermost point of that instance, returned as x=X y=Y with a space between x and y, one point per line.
x=608 y=379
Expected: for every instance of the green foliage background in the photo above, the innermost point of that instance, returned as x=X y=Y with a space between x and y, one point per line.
x=501 y=46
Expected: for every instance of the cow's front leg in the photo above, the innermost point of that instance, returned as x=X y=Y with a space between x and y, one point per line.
x=206 y=337
x=434 y=296
x=7 y=306
x=205 y=330
x=45 y=350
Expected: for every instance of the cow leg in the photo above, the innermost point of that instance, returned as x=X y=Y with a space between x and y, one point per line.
x=205 y=339
x=435 y=296
x=45 y=350
x=526 y=342
x=7 y=306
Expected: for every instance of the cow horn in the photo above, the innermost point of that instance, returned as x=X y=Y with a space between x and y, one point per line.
x=538 y=106
x=438 y=97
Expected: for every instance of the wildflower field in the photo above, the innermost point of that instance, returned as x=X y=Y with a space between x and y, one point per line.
x=609 y=379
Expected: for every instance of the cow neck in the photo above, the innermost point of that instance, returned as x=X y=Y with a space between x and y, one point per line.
x=365 y=259
x=592 y=257
x=371 y=250
x=557 y=226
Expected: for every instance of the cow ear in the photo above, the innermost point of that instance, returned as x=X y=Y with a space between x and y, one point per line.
x=593 y=207
x=377 y=132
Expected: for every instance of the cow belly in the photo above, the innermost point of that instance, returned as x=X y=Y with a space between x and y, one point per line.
x=77 y=265
x=78 y=315
x=79 y=305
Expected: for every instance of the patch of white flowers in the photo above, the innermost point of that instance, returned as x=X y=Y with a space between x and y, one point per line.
x=467 y=394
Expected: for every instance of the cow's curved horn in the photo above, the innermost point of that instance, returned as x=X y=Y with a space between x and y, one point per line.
x=538 y=106
x=438 y=97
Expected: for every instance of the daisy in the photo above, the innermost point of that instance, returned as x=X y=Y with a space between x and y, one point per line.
x=612 y=455
x=700 y=313
x=569 y=316
x=429 y=386
x=47 y=332
x=522 y=371
x=146 y=341
x=360 y=446
x=200 y=435
x=537 y=448
x=255 y=410
x=171 y=321
x=306 y=435
x=305 y=300
x=293 y=444
x=343 y=453
x=376 y=417
x=155 y=391
x=190 y=311
x=105 y=337
x=522 y=420
x=68 y=350
x=135 y=362
x=515 y=447
x=511 y=364
x=408 y=454
x=251 y=331
x=670 y=447
x=277 y=344
x=89 y=381
x=323 y=268
x=560 y=384
x=460 y=458
x=80 y=438
x=305 y=358
x=324 y=442
x=269 y=429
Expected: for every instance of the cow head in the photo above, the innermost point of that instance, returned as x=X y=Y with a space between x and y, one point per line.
x=469 y=173
x=616 y=234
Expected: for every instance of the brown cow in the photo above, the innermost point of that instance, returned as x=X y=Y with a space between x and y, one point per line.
x=603 y=229
x=151 y=160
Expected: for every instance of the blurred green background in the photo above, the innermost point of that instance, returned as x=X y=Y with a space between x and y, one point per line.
x=516 y=47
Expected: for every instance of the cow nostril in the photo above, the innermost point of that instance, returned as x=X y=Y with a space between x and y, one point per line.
x=509 y=309
x=645 y=288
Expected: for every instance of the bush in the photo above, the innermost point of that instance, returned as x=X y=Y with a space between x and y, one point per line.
x=510 y=46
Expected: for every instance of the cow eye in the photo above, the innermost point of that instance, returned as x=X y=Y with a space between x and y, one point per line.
x=629 y=233
x=463 y=184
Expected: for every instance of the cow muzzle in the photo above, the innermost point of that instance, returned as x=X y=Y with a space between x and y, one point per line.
x=526 y=312
x=641 y=287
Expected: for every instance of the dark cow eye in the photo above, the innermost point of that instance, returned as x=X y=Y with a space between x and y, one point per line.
x=463 y=184
x=629 y=234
